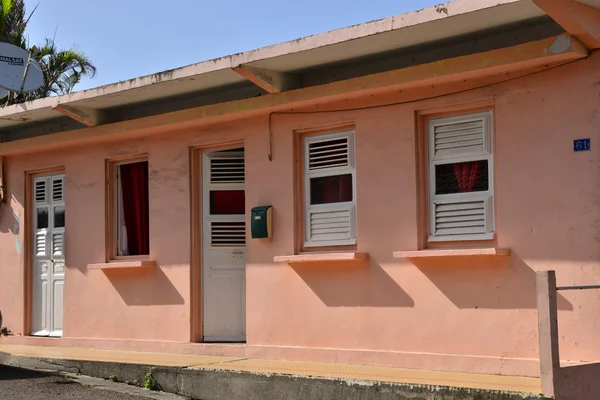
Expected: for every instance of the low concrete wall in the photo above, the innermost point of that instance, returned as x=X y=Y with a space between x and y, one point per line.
x=578 y=382
x=208 y=384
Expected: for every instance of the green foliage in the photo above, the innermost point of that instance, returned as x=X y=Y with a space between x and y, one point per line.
x=13 y=22
x=112 y=378
x=6 y=7
x=149 y=382
x=62 y=69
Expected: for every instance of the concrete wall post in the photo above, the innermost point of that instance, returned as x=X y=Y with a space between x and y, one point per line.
x=547 y=330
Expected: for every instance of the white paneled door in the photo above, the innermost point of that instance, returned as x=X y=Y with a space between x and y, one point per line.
x=48 y=255
x=224 y=247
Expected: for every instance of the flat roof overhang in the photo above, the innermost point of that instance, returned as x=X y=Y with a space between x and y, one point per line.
x=399 y=50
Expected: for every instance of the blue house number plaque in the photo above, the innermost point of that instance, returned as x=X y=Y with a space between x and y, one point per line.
x=581 y=144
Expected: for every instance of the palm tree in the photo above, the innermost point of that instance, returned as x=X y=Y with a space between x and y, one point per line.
x=13 y=22
x=62 y=69
x=10 y=19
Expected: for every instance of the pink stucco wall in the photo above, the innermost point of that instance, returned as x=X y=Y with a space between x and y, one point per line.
x=386 y=311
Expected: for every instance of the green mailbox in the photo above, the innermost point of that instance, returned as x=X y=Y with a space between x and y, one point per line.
x=261 y=222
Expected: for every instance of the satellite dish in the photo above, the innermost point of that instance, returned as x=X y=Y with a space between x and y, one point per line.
x=18 y=71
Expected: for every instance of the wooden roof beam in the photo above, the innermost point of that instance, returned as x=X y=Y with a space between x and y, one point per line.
x=270 y=81
x=466 y=71
x=580 y=20
x=87 y=117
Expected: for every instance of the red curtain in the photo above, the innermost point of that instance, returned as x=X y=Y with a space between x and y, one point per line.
x=337 y=189
x=228 y=202
x=134 y=183
x=466 y=175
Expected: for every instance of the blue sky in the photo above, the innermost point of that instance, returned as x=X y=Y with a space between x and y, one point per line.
x=130 y=38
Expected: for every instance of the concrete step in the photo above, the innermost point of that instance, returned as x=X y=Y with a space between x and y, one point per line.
x=219 y=381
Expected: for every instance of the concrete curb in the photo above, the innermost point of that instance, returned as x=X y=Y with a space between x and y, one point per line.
x=209 y=384
x=103 y=384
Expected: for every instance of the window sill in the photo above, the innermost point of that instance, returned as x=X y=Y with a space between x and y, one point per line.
x=123 y=264
x=488 y=251
x=321 y=257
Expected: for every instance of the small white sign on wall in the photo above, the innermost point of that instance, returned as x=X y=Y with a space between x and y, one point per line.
x=16 y=223
x=16 y=228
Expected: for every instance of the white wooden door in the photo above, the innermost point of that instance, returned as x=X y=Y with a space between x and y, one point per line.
x=224 y=248
x=48 y=255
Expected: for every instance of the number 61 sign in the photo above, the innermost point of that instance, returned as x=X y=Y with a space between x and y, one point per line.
x=581 y=144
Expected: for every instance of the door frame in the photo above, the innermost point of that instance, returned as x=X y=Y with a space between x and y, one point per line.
x=196 y=235
x=26 y=225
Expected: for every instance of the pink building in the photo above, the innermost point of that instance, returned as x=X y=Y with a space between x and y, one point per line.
x=420 y=169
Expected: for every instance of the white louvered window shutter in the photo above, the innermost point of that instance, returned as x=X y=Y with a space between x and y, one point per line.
x=227 y=233
x=226 y=228
x=41 y=191
x=42 y=197
x=461 y=178
x=57 y=188
x=227 y=169
x=57 y=233
x=330 y=190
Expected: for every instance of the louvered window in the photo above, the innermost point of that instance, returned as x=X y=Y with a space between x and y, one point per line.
x=40 y=244
x=227 y=169
x=330 y=190
x=58 y=244
x=49 y=216
x=460 y=178
x=40 y=190
x=57 y=189
x=227 y=234
x=225 y=200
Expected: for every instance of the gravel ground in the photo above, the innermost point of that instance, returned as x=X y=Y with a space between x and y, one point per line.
x=21 y=384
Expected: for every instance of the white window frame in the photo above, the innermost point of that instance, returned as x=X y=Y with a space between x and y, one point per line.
x=486 y=196
x=334 y=171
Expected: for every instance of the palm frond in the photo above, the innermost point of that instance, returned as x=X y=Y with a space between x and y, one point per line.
x=6 y=8
x=62 y=69
x=19 y=36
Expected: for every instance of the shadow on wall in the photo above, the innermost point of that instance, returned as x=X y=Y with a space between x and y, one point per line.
x=144 y=286
x=485 y=282
x=353 y=284
x=12 y=222
x=8 y=218
x=578 y=382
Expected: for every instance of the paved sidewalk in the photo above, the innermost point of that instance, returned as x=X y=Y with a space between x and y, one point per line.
x=294 y=368
x=23 y=384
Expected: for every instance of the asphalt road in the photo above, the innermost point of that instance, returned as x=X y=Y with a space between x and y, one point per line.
x=20 y=384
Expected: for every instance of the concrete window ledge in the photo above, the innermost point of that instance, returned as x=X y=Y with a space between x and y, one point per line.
x=321 y=257
x=124 y=264
x=486 y=251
